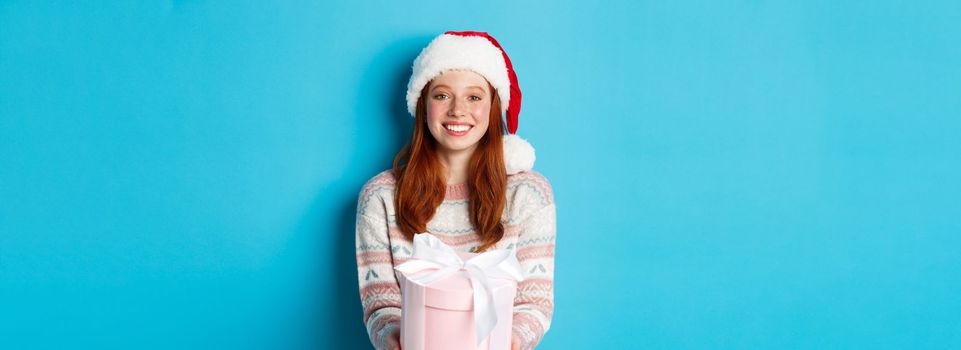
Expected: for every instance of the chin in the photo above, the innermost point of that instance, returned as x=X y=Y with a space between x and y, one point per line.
x=458 y=147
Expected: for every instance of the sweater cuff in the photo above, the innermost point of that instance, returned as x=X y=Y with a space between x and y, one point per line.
x=526 y=330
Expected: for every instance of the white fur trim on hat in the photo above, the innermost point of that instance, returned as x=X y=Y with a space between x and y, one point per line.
x=518 y=154
x=449 y=51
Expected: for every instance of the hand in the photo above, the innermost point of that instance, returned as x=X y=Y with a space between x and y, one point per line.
x=515 y=344
x=393 y=342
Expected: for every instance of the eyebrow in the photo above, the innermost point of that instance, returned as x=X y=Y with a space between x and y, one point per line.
x=469 y=87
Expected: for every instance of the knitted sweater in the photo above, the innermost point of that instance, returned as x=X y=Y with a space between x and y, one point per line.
x=529 y=225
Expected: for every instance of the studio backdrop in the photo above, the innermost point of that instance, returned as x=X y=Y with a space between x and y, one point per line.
x=727 y=174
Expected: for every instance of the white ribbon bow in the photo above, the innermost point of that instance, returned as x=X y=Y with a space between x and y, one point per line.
x=431 y=253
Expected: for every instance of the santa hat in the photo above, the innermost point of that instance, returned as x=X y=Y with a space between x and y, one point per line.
x=480 y=53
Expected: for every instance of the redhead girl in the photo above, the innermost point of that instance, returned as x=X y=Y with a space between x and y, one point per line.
x=464 y=179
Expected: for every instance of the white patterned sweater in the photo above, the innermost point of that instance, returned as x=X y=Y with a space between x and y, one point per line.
x=530 y=228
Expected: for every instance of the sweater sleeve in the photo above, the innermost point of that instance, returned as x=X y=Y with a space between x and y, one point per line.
x=379 y=289
x=534 y=303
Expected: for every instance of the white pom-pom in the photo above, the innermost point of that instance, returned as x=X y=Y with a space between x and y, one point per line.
x=518 y=154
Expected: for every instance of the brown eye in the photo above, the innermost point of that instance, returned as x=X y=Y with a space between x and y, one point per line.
x=440 y=96
x=475 y=98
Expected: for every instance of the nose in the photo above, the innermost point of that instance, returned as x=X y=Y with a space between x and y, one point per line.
x=456 y=108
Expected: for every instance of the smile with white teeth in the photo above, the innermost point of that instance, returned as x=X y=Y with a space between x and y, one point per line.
x=457 y=128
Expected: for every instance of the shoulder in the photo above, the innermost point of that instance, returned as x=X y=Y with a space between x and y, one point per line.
x=376 y=190
x=530 y=186
x=531 y=182
x=381 y=180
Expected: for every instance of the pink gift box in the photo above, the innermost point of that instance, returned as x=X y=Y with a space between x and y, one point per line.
x=440 y=316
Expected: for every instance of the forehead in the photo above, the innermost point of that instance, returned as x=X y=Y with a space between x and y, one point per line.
x=458 y=79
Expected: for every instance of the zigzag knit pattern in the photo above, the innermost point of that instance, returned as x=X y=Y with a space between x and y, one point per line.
x=530 y=227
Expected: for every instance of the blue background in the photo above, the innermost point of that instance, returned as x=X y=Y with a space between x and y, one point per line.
x=737 y=174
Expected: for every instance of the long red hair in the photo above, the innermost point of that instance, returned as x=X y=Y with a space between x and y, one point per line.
x=422 y=183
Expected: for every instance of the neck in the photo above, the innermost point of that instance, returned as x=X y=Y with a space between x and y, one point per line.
x=455 y=163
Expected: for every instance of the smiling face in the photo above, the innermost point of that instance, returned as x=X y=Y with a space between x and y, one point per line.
x=458 y=110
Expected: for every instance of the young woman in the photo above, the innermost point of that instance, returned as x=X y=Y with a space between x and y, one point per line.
x=463 y=180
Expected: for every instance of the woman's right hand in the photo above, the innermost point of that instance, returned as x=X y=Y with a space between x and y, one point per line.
x=393 y=343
